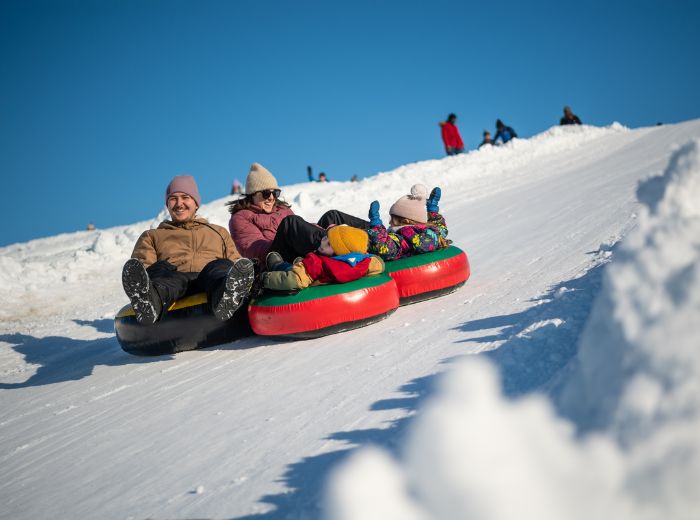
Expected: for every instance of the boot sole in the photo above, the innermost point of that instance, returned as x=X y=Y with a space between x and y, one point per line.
x=239 y=281
x=137 y=287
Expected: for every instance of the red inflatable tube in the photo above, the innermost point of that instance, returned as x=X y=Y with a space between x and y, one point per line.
x=430 y=275
x=326 y=309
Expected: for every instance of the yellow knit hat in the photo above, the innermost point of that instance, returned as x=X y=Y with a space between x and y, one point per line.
x=345 y=239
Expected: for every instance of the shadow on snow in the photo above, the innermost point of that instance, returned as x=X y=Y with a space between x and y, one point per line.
x=62 y=359
x=538 y=346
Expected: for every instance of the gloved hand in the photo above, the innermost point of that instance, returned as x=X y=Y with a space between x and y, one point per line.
x=280 y=281
x=433 y=201
x=374 y=219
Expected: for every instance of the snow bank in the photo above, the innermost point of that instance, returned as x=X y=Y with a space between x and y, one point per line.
x=621 y=438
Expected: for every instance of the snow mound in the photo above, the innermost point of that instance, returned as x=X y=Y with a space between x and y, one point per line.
x=620 y=440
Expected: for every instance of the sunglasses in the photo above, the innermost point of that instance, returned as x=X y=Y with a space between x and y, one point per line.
x=266 y=193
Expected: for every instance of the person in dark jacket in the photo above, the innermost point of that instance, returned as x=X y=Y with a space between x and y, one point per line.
x=503 y=132
x=450 y=136
x=569 y=117
x=487 y=139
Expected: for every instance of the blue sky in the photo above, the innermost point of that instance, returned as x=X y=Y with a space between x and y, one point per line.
x=102 y=102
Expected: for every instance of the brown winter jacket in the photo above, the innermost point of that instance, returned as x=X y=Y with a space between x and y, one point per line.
x=189 y=246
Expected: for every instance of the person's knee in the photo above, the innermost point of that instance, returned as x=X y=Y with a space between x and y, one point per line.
x=332 y=216
x=290 y=220
x=219 y=262
x=220 y=265
x=160 y=268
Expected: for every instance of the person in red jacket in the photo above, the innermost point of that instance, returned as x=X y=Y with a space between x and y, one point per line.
x=450 y=136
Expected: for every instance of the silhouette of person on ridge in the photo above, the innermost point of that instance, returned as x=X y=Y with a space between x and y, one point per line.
x=450 y=136
x=487 y=139
x=503 y=132
x=569 y=117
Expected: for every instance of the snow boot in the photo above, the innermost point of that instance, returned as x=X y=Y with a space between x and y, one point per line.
x=143 y=296
x=237 y=285
x=275 y=262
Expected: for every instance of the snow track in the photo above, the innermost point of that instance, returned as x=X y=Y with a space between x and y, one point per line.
x=254 y=428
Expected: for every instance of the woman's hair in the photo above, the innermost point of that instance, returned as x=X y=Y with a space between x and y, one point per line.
x=246 y=202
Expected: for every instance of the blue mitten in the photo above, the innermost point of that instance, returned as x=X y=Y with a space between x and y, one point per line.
x=433 y=201
x=374 y=219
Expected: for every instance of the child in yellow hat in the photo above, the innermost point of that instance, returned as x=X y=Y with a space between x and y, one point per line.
x=342 y=257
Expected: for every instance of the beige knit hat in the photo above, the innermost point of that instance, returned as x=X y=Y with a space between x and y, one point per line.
x=259 y=178
x=412 y=206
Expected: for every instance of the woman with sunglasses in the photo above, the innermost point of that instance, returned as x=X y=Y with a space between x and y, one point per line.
x=261 y=222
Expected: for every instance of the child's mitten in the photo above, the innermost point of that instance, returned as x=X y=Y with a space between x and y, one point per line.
x=374 y=219
x=432 y=204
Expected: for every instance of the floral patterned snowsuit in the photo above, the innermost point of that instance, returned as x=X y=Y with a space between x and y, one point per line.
x=403 y=241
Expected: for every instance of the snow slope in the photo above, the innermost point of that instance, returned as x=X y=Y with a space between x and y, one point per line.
x=257 y=429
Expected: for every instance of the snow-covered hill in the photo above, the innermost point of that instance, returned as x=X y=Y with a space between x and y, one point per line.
x=571 y=362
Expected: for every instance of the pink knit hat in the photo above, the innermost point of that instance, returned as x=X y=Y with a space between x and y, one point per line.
x=183 y=184
x=412 y=206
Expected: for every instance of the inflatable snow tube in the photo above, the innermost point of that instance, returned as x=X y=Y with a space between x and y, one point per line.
x=429 y=275
x=188 y=324
x=324 y=309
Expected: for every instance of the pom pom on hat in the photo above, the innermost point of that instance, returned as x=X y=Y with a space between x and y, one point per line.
x=412 y=206
x=419 y=191
x=345 y=240
x=259 y=179
x=183 y=184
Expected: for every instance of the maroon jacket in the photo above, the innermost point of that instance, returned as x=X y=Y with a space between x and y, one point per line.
x=253 y=230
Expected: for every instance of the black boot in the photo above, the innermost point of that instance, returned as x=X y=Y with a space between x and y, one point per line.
x=237 y=285
x=143 y=296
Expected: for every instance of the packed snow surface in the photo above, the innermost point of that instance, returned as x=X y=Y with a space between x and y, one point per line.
x=562 y=381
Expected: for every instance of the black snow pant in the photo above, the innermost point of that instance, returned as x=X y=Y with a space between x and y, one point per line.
x=296 y=237
x=171 y=285
x=338 y=217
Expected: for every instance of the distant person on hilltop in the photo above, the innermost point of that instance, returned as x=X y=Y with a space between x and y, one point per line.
x=503 y=132
x=322 y=177
x=450 y=136
x=236 y=187
x=569 y=117
x=185 y=255
x=487 y=139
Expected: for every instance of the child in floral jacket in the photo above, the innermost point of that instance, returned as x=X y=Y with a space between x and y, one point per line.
x=416 y=226
x=342 y=257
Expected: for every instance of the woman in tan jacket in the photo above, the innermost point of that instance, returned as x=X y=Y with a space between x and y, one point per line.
x=185 y=255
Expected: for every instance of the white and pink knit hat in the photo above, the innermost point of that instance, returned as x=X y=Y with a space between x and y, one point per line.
x=412 y=206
